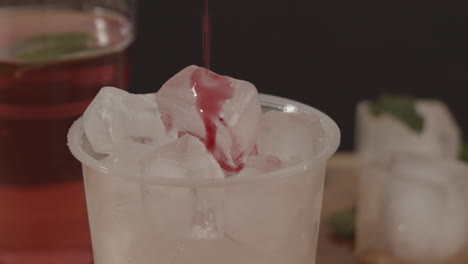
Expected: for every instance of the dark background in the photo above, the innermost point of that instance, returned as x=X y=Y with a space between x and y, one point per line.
x=328 y=54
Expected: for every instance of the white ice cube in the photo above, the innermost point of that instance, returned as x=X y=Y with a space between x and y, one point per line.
x=378 y=137
x=262 y=214
x=262 y=163
x=225 y=251
x=184 y=158
x=127 y=158
x=238 y=123
x=146 y=247
x=424 y=208
x=182 y=212
x=117 y=116
x=290 y=136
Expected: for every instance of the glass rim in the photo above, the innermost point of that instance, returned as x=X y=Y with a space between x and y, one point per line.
x=126 y=20
x=65 y=7
x=332 y=142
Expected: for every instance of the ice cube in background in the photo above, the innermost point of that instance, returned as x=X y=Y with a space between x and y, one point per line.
x=182 y=212
x=117 y=116
x=424 y=208
x=290 y=136
x=241 y=114
x=377 y=137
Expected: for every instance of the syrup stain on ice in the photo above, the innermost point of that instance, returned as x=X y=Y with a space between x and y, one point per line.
x=222 y=112
x=211 y=91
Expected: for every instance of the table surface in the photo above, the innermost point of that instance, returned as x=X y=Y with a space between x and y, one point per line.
x=339 y=194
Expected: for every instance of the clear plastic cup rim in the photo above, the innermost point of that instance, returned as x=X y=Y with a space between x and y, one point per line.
x=332 y=132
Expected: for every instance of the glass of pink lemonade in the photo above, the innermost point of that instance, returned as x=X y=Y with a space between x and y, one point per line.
x=54 y=58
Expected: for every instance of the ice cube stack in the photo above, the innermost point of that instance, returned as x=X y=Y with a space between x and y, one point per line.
x=411 y=187
x=199 y=125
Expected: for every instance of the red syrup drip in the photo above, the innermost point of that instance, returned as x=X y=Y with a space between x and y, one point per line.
x=212 y=90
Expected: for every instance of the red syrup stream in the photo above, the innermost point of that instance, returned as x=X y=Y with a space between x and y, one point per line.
x=212 y=91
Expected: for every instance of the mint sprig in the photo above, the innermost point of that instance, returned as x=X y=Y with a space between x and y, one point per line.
x=44 y=48
x=343 y=223
x=36 y=52
x=402 y=108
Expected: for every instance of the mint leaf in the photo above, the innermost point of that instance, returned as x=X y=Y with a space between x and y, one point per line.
x=43 y=48
x=343 y=223
x=464 y=152
x=402 y=108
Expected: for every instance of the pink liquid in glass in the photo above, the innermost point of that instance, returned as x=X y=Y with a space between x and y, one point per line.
x=42 y=205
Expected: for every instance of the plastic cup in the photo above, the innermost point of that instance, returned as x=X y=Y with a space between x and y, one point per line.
x=266 y=218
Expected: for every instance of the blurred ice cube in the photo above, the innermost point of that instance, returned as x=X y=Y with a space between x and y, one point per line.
x=378 y=137
x=290 y=136
x=117 y=116
x=184 y=158
x=238 y=124
x=181 y=212
x=424 y=208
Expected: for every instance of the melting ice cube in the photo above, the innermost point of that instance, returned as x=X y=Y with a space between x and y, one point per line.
x=182 y=212
x=235 y=127
x=115 y=116
x=290 y=137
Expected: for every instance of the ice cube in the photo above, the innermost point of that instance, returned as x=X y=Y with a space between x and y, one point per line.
x=181 y=212
x=262 y=163
x=424 y=212
x=184 y=158
x=127 y=157
x=226 y=251
x=261 y=214
x=115 y=213
x=148 y=246
x=229 y=251
x=290 y=136
x=117 y=116
x=238 y=121
x=378 y=137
